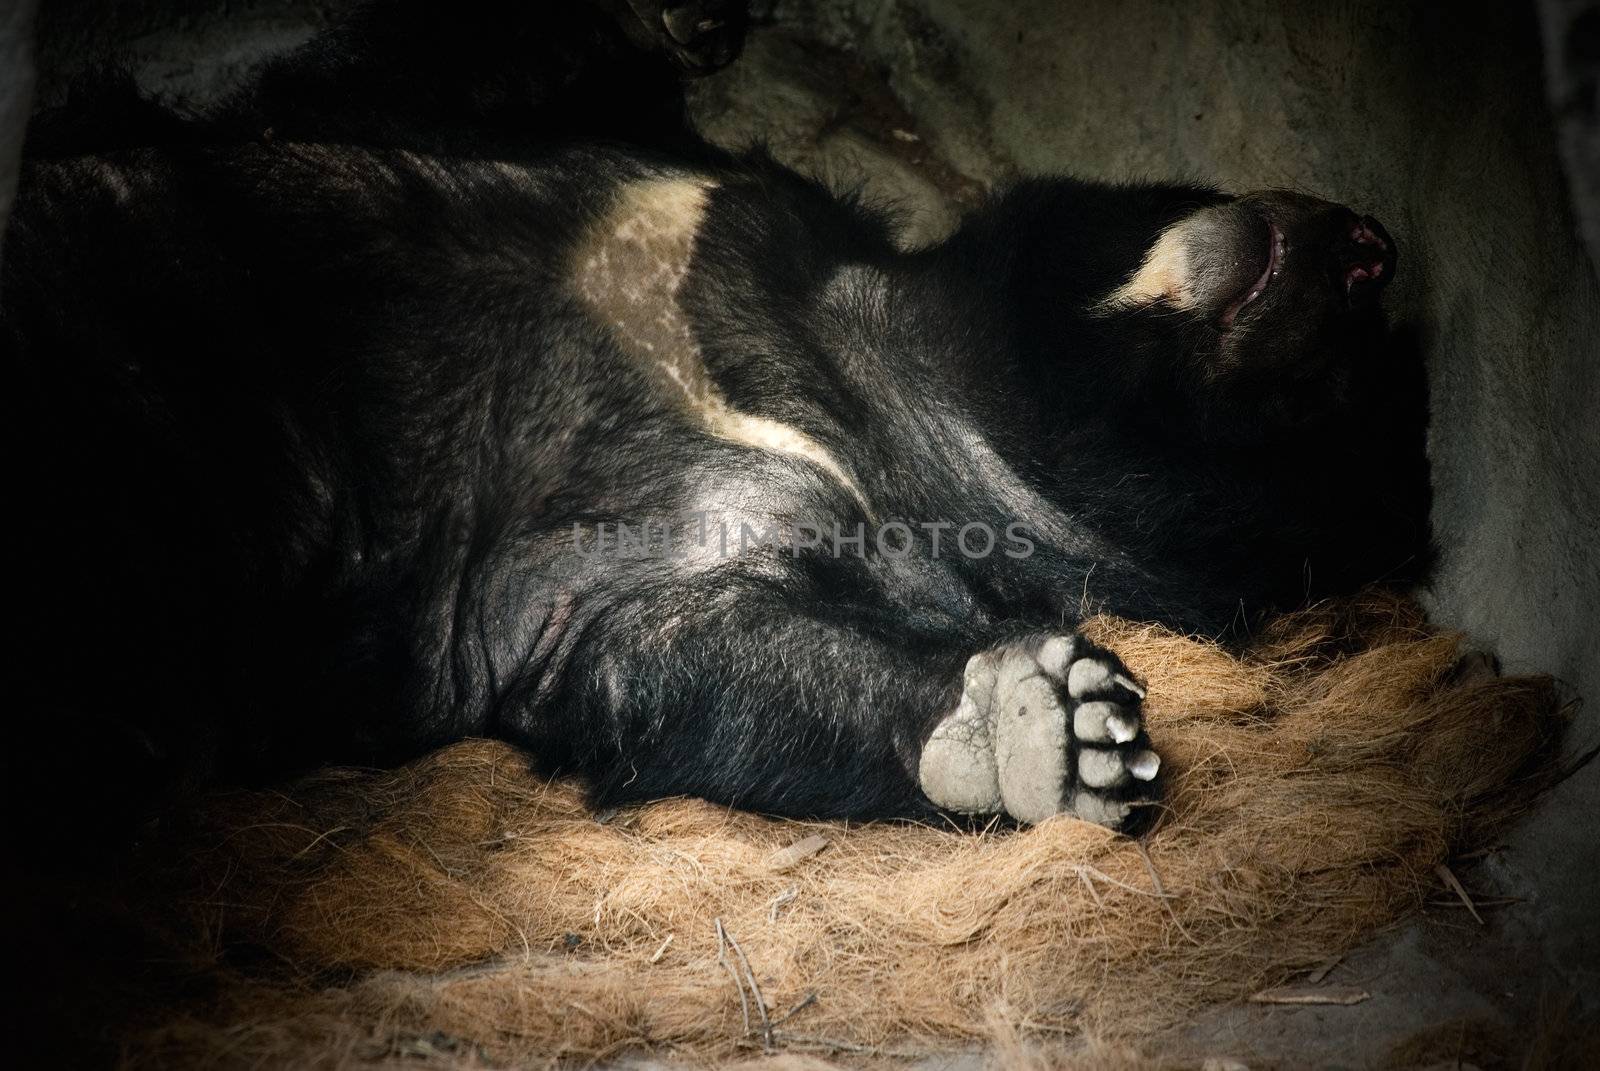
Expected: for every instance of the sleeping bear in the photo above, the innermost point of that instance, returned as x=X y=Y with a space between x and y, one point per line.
x=443 y=383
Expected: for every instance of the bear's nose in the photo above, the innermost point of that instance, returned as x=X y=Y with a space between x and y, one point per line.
x=1363 y=259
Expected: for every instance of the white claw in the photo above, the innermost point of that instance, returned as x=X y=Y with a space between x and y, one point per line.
x=1128 y=684
x=1145 y=765
x=1092 y=675
x=1122 y=728
x=1101 y=722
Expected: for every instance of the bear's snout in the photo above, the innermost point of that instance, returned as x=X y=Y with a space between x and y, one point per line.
x=1363 y=260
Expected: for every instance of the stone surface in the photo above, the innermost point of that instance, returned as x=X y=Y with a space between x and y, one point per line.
x=1572 y=76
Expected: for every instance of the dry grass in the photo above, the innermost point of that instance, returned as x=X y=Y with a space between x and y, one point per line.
x=461 y=911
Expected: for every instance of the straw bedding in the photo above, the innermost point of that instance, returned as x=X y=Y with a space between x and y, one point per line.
x=461 y=911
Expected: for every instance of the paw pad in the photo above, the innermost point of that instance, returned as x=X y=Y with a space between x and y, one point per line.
x=1042 y=728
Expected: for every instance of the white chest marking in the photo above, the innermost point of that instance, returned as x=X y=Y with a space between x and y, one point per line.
x=628 y=272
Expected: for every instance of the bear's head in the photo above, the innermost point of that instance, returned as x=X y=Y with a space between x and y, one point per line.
x=1237 y=315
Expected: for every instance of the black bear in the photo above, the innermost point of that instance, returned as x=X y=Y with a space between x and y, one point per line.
x=444 y=383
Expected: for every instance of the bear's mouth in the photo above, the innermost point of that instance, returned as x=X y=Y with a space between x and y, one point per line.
x=1274 y=264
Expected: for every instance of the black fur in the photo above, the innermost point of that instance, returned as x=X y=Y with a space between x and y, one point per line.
x=303 y=413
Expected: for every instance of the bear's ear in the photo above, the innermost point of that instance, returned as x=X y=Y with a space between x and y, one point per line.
x=1203 y=263
x=1164 y=275
x=1193 y=262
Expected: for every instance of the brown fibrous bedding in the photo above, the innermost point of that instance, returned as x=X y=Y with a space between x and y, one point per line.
x=462 y=911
